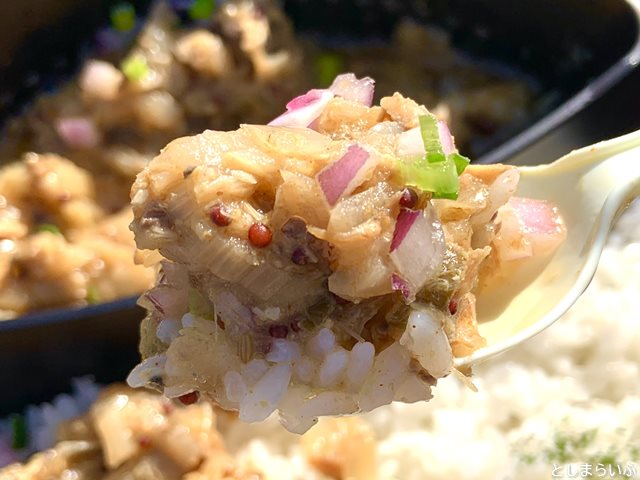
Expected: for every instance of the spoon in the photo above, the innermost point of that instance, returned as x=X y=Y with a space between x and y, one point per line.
x=591 y=187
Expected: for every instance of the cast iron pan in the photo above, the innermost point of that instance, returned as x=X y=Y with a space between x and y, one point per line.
x=573 y=50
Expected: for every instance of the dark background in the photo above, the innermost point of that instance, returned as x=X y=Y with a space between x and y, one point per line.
x=614 y=114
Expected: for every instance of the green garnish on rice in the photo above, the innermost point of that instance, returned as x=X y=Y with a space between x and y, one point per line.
x=19 y=437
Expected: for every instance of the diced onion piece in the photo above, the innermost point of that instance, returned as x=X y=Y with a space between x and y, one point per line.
x=166 y=300
x=417 y=248
x=349 y=87
x=101 y=80
x=404 y=222
x=400 y=285
x=410 y=143
x=77 y=132
x=446 y=139
x=108 y=40
x=302 y=111
x=509 y=243
x=503 y=187
x=8 y=454
x=342 y=177
x=449 y=147
x=541 y=224
x=308 y=98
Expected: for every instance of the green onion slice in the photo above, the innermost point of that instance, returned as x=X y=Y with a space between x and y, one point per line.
x=123 y=17
x=328 y=66
x=135 y=67
x=198 y=305
x=19 y=437
x=431 y=138
x=435 y=171
x=93 y=295
x=202 y=9
x=49 y=227
x=440 y=178
x=461 y=162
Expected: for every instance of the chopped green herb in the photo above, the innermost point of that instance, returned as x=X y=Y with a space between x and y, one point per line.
x=49 y=227
x=461 y=162
x=202 y=9
x=568 y=447
x=431 y=138
x=435 y=171
x=135 y=68
x=609 y=458
x=528 y=458
x=559 y=452
x=327 y=66
x=18 y=432
x=198 y=305
x=585 y=439
x=123 y=17
x=440 y=178
x=93 y=295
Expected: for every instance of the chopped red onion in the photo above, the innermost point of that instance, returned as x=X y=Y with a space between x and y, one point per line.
x=502 y=188
x=154 y=302
x=398 y=284
x=418 y=247
x=349 y=87
x=303 y=110
x=540 y=223
x=166 y=300
x=109 y=40
x=304 y=100
x=536 y=216
x=446 y=139
x=77 y=132
x=410 y=142
x=340 y=178
x=404 y=222
x=7 y=454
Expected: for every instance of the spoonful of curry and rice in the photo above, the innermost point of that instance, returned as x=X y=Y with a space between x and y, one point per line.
x=332 y=261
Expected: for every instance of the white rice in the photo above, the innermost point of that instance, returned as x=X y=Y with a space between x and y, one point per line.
x=566 y=399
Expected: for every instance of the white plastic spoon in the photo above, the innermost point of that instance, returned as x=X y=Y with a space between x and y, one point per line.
x=591 y=187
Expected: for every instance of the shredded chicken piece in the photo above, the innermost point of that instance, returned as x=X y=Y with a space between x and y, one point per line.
x=403 y=110
x=204 y=52
x=135 y=434
x=342 y=448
